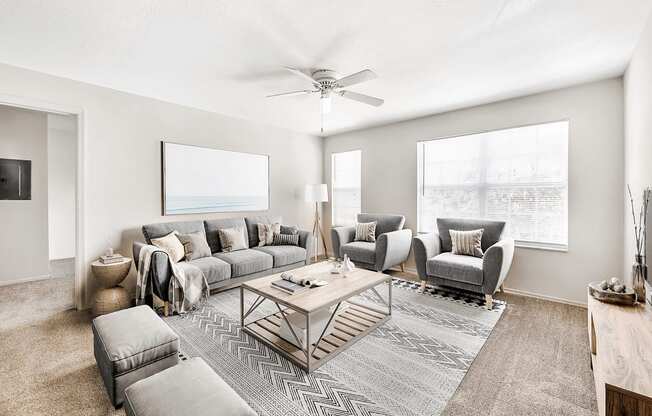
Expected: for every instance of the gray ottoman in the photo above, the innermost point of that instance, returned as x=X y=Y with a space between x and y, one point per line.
x=190 y=388
x=130 y=345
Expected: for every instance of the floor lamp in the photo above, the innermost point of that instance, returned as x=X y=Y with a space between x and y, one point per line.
x=318 y=194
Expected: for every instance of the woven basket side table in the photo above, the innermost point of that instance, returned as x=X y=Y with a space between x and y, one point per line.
x=110 y=297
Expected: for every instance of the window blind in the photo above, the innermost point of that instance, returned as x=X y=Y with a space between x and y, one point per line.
x=519 y=175
x=346 y=184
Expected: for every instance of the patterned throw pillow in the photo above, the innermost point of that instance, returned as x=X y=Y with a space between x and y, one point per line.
x=467 y=243
x=286 y=239
x=195 y=245
x=171 y=245
x=266 y=233
x=232 y=239
x=365 y=231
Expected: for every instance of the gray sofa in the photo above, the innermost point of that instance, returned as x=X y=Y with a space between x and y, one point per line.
x=436 y=263
x=224 y=270
x=392 y=246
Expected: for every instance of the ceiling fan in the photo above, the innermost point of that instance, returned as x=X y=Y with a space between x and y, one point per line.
x=326 y=83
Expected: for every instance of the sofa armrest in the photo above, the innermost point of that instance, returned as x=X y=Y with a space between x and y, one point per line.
x=341 y=236
x=426 y=246
x=392 y=248
x=496 y=263
x=159 y=270
x=306 y=241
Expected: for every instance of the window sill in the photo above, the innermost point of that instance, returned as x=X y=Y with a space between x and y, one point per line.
x=561 y=248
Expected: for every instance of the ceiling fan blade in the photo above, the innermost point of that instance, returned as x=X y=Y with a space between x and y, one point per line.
x=358 y=77
x=291 y=93
x=301 y=74
x=367 y=99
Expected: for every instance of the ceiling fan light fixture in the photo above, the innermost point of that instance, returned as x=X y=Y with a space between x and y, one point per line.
x=325 y=102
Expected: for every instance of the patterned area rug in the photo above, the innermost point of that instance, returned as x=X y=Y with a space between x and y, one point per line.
x=409 y=366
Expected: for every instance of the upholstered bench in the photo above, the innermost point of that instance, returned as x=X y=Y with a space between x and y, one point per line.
x=130 y=345
x=190 y=388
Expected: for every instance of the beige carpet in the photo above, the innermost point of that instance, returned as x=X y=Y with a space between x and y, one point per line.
x=534 y=363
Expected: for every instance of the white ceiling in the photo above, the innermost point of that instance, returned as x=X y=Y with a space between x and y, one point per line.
x=226 y=55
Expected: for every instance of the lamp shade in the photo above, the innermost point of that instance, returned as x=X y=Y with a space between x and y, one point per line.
x=317 y=193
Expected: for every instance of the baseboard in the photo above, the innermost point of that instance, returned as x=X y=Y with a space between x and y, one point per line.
x=545 y=297
x=24 y=280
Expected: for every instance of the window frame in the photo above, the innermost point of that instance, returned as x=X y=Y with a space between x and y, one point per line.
x=332 y=184
x=549 y=246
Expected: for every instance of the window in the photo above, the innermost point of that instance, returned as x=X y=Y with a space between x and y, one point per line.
x=519 y=175
x=345 y=180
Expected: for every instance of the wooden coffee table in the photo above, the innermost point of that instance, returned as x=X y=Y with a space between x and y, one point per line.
x=352 y=320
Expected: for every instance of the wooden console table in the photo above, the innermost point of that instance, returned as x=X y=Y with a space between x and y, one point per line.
x=621 y=357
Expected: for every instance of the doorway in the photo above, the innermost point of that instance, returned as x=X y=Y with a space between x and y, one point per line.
x=38 y=204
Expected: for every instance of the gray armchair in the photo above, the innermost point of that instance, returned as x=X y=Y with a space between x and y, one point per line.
x=436 y=263
x=392 y=246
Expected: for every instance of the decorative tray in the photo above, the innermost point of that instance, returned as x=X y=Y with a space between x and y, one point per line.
x=628 y=297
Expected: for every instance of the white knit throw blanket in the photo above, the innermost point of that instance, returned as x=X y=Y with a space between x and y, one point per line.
x=188 y=286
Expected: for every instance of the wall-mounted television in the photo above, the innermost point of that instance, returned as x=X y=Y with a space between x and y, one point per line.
x=15 y=179
x=201 y=179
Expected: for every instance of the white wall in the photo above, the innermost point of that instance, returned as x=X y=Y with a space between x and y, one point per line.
x=122 y=172
x=24 y=231
x=62 y=177
x=638 y=131
x=595 y=111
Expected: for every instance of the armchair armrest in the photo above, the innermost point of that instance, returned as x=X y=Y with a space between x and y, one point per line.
x=426 y=246
x=341 y=236
x=306 y=241
x=393 y=248
x=159 y=270
x=496 y=263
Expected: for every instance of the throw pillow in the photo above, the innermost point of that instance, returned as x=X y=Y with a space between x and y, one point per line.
x=232 y=239
x=289 y=229
x=467 y=243
x=365 y=231
x=266 y=233
x=286 y=239
x=195 y=245
x=171 y=245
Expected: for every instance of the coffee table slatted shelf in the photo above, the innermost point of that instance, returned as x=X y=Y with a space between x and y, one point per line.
x=350 y=326
x=351 y=320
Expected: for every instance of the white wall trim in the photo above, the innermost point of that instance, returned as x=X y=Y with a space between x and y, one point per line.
x=520 y=292
x=545 y=297
x=24 y=280
x=32 y=103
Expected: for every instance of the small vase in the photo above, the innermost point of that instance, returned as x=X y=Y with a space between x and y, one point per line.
x=639 y=276
x=347 y=265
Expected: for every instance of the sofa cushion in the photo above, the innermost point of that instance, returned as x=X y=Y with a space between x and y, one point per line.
x=467 y=243
x=252 y=226
x=214 y=269
x=134 y=337
x=284 y=255
x=466 y=269
x=212 y=227
x=266 y=233
x=244 y=262
x=289 y=229
x=365 y=231
x=164 y=228
x=189 y=388
x=233 y=239
x=285 y=239
x=195 y=245
x=493 y=230
x=172 y=245
x=360 y=251
x=385 y=222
